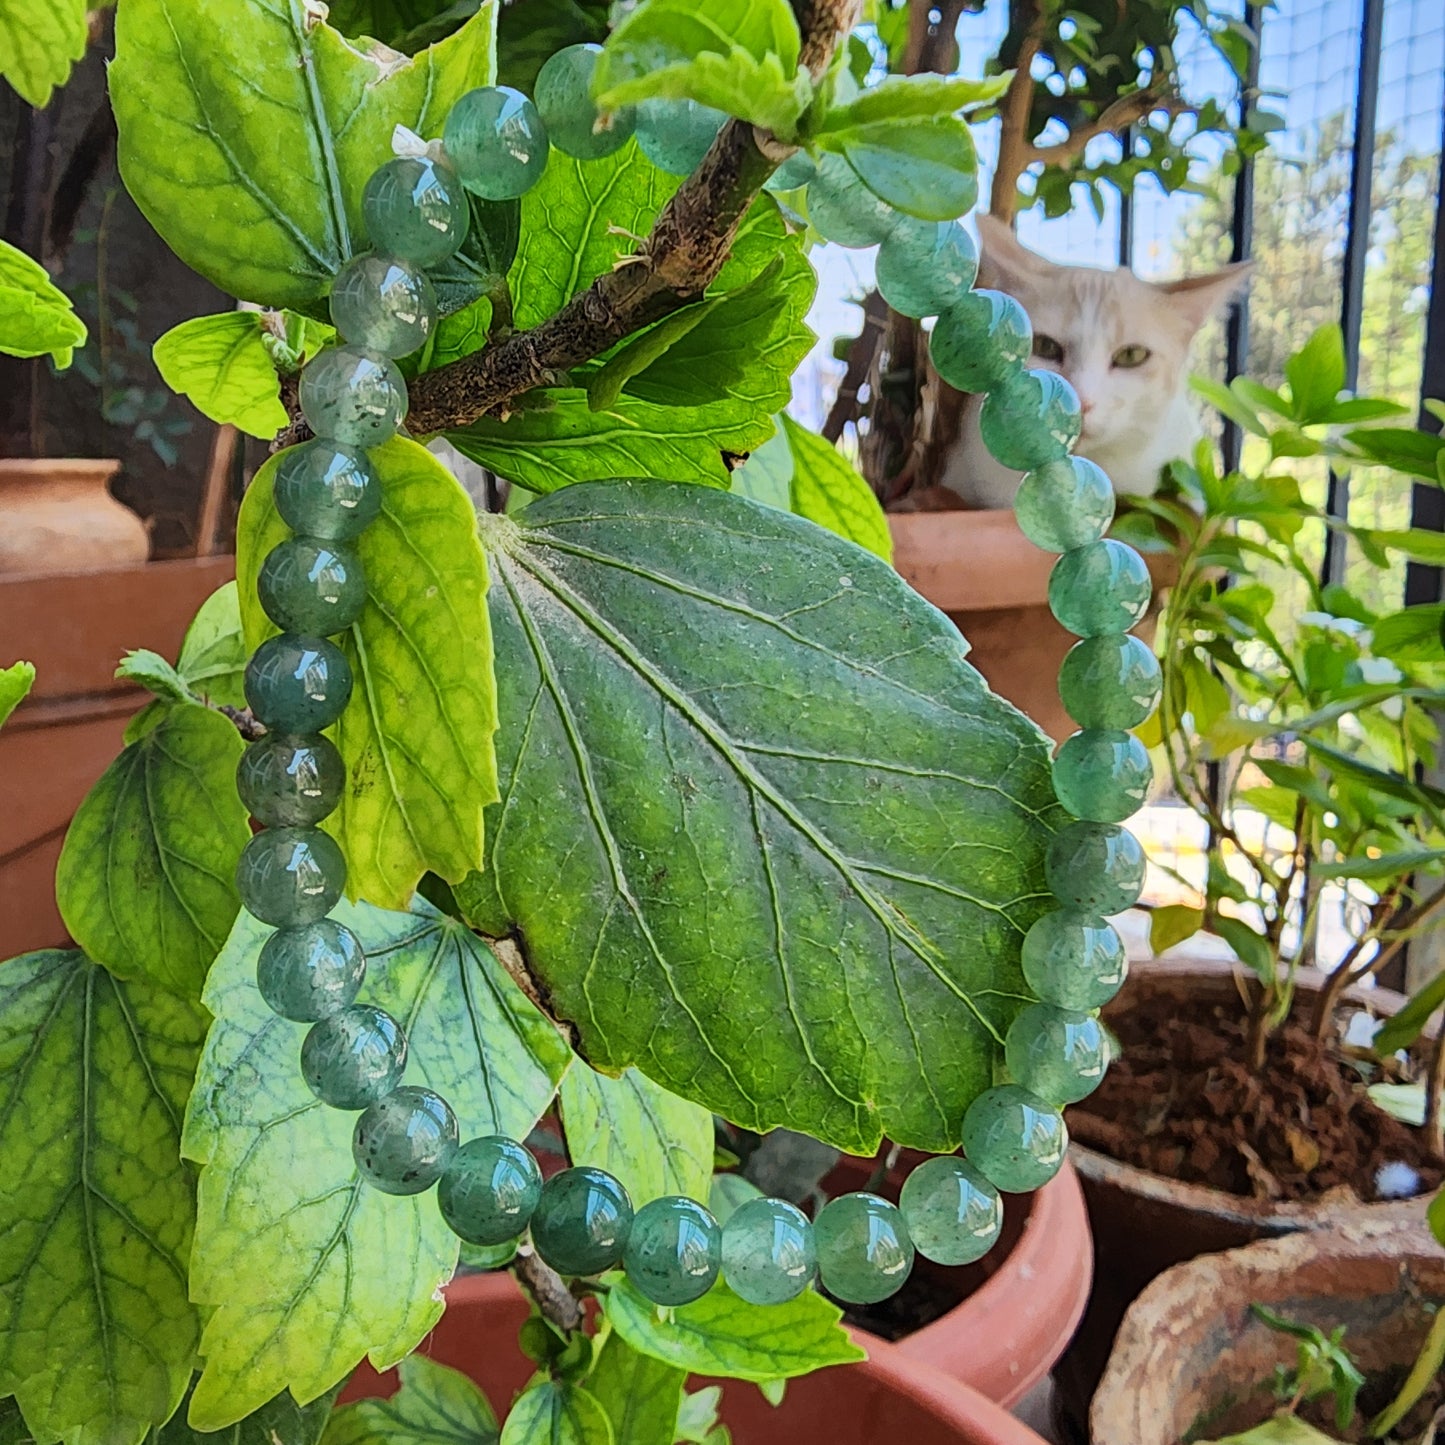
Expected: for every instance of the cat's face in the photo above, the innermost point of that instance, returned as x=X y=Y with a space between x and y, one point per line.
x=1121 y=342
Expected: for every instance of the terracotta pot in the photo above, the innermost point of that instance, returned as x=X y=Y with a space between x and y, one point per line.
x=981 y=570
x=57 y=515
x=888 y=1397
x=1017 y=1307
x=1190 y=1350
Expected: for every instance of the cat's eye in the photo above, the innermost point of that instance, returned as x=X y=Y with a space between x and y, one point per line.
x=1131 y=356
x=1047 y=349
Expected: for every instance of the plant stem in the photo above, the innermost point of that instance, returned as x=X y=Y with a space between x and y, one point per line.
x=1015 y=145
x=547 y=1290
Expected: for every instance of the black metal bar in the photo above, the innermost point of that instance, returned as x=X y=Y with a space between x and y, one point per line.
x=1357 y=249
x=1126 y=204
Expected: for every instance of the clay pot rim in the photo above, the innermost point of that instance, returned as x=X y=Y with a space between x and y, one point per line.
x=39 y=468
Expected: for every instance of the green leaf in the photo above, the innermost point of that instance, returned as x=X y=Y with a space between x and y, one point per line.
x=1171 y=924
x=1417 y=543
x=738 y=56
x=1229 y=405
x=767 y=475
x=800 y=927
x=435 y=1406
x=1370 y=868
x=39 y=41
x=721 y=1334
x=417 y=733
x=557 y=1412
x=248 y=130
x=221 y=363
x=1435 y=1216
x=527 y=37
x=279 y=1422
x=698 y=1417
x=1417 y=453
x=1316 y=373
x=654 y=1142
x=1405 y=1102
x=15 y=684
x=1401 y=1029
x=827 y=489
x=1278 y=1430
x=304 y=1268
x=213 y=655
x=98 y=1334
x=913 y=97
x=460 y=334
x=36 y=317
x=641 y=1396
x=924 y=167
x=1249 y=946
x=1422 y=1374
x=729 y=1192
x=145 y=881
x=604 y=386
x=154 y=673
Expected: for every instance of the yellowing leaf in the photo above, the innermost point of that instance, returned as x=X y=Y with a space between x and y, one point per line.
x=222 y=365
x=39 y=40
x=827 y=489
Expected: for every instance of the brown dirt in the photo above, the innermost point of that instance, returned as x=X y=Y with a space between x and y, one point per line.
x=1181 y=1102
x=1376 y=1394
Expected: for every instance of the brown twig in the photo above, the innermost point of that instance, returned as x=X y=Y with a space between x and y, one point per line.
x=1434 y=1102
x=548 y=1290
x=861 y=353
x=1014 y=142
x=246 y=723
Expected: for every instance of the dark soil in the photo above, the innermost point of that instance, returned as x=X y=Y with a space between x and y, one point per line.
x=1181 y=1102
x=1377 y=1393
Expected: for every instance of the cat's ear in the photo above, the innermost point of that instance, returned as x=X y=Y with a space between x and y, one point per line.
x=1004 y=263
x=1197 y=298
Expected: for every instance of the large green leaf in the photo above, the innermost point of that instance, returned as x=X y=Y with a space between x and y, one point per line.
x=15 y=684
x=39 y=41
x=557 y=1412
x=435 y=1406
x=393 y=21
x=97 y=1335
x=925 y=167
x=640 y=1395
x=221 y=363
x=721 y=1334
x=764 y=833
x=417 y=734
x=654 y=1142
x=36 y=317
x=213 y=654
x=145 y=881
x=278 y=1422
x=302 y=1267
x=827 y=489
x=529 y=35
x=248 y=129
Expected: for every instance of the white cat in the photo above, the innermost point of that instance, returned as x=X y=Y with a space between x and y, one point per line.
x=1124 y=345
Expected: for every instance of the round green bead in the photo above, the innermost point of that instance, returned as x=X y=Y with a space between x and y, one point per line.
x=676 y=134
x=1100 y=588
x=290 y=782
x=384 y=304
x=794 y=173
x=953 y=1213
x=564 y=100
x=297 y=684
x=1112 y=681
x=864 y=1252
x=1097 y=867
x=326 y=490
x=490 y=1190
x=1057 y=1053
x=1102 y=775
x=416 y=209
x=1066 y=503
x=582 y=1221
x=403 y=1143
x=308 y=973
x=1029 y=419
x=354 y=1057
x=769 y=1255
x=496 y=142
x=306 y=585
x=674 y=1250
x=843 y=210
x=1014 y=1139
x=981 y=340
x=1073 y=959
x=290 y=876
x=354 y=396
x=925 y=267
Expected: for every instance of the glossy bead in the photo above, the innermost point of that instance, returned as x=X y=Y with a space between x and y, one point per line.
x=1066 y=503
x=403 y=1143
x=768 y=1252
x=297 y=684
x=1097 y=867
x=1112 y=681
x=582 y=1221
x=384 y=304
x=290 y=782
x=864 y=1252
x=354 y=396
x=290 y=876
x=1014 y=1139
x=308 y=973
x=354 y=1057
x=496 y=142
x=674 y=1250
x=1102 y=774
x=924 y=267
x=564 y=101
x=490 y=1190
x=1029 y=419
x=326 y=490
x=794 y=173
x=843 y=210
x=1074 y=959
x=1099 y=589
x=1059 y=1054
x=676 y=134
x=416 y=209
x=306 y=585
x=953 y=1213
x=980 y=340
